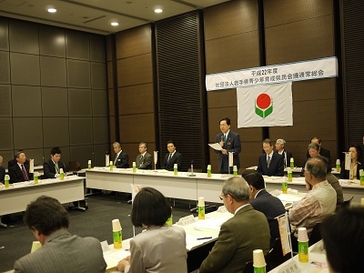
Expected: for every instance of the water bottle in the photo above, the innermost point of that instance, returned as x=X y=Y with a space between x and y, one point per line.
x=7 y=181
x=36 y=174
x=61 y=174
x=117 y=233
x=291 y=163
x=201 y=208
x=111 y=166
x=209 y=171
x=284 y=186
x=134 y=167
x=235 y=170
x=175 y=169
x=89 y=164
x=289 y=175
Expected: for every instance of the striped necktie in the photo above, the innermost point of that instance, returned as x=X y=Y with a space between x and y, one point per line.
x=25 y=175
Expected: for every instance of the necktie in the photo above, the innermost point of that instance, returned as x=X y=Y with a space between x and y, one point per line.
x=268 y=161
x=25 y=175
x=224 y=138
x=56 y=167
x=141 y=160
x=169 y=157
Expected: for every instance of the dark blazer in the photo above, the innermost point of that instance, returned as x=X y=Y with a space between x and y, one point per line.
x=239 y=236
x=16 y=175
x=2 y=174
x=176 y=158
x=232 y=144
x=286 y=158
x=324 y=152
x=272 y=207
x=50 y=170
x=145 y=163
x=276 y=166
x=344 y=174
x=122 y=161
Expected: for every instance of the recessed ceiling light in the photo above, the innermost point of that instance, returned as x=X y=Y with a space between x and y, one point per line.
x=52 y=10
x=158 y=10
x=114 y=24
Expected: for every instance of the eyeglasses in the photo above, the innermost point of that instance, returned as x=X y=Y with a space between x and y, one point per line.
x=221 y=196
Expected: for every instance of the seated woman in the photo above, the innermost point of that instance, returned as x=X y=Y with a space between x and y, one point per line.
x=160 y=248
x=356 y=163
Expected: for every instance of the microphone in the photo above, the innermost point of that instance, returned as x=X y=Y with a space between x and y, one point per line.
x=192 y=174
x=222 y=138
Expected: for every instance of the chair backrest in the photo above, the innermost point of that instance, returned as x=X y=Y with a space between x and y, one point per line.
x=315 y=235
x=74 y=166
x=346 y=203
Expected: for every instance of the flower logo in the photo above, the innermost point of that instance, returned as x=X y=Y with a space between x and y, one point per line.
x=263 y=105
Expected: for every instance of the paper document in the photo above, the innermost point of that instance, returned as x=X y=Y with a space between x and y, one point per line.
x=215 y=146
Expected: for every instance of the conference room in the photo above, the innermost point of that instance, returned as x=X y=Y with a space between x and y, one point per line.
x=80 y=84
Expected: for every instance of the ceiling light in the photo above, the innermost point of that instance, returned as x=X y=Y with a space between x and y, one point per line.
x=114 y=24
x=52 y=10
x=158 y=10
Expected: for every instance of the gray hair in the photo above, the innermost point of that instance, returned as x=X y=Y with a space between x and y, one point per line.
x=116 y=144
x=317 y=167
x=237 y=188
x=281 y=141
x=143 y=143
x=313 y=146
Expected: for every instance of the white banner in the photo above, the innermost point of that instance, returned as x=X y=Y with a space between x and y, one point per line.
x=300 y=71
x=265 y=105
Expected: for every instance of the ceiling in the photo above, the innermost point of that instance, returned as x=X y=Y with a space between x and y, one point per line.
x=96 y=15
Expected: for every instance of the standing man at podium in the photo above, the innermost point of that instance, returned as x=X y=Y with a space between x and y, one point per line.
x=229 y=142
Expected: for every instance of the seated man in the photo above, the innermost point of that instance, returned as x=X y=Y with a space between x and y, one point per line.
x=144 y=159
x=19 y=171
x=53 y=166
x=319 y=202
x=121 y=158
x=263 y=201
x=343 y=238
x=270 y=163
x=2 y=170
x=61 y=251
x=334 y=182
x=240 y=235
x=324 y=152
x=172 y=157
x=280 y=149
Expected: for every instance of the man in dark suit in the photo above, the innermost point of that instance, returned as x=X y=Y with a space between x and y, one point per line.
x=53 y=166
x=172 y=157
x=121 y=158
x=143 y=160
x=229 y=142
x=246 y=231
x=270 y=163
x=263 y=201
x=324 y=152
x=19 y=171
x=61 y=251
x=280 y=149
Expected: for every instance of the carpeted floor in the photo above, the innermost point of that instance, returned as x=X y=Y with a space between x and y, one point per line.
x=16 y=241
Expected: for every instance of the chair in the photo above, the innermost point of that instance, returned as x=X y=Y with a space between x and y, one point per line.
x=315 y=235
x=74 y=166
x=346 y=204
x=248 y=267
x=275 y=255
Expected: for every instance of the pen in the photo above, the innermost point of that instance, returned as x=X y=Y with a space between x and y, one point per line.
x=204 y=238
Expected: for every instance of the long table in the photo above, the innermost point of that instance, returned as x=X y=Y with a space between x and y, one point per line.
x=184 y=186
x=19 y=195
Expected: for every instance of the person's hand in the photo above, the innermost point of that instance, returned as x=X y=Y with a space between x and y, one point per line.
x=224 y=151
x=123 y=263
x=221 y=143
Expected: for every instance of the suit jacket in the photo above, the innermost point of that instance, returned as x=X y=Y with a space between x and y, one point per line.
x=2 y=174
x=324 y=152
x=122 y=161
x=272 y=207
x=145 y=163
x=16 y=174
x=276 y=166
x=50 y=169
x=232 y=144
x=286 y=158
x=176 y=159
x=159 y=249
x=63 y=252
x=344 y=174
x=239 y=236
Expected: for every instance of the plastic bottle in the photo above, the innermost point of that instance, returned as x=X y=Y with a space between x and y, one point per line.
x=107 y=159
x=209 y=171
x=134 y=167
x=201 y=208
x=111 y=166
x=169 y=221
x=89 y=164
x=36 y=174
x=7 y=181
x=291 y=163
x=289 y=176
x=284 y=186
x=117 y=233
x=175 y=169
x=338 y=165
x=61 y=174
x=361 y=173
x=235 y=170
x=259 y=263
x=302 y=245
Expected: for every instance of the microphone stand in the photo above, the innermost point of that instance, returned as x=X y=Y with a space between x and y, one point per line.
x=192 y=174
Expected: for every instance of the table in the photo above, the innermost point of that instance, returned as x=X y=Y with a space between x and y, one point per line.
x=19 y=195
x=317 y=262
